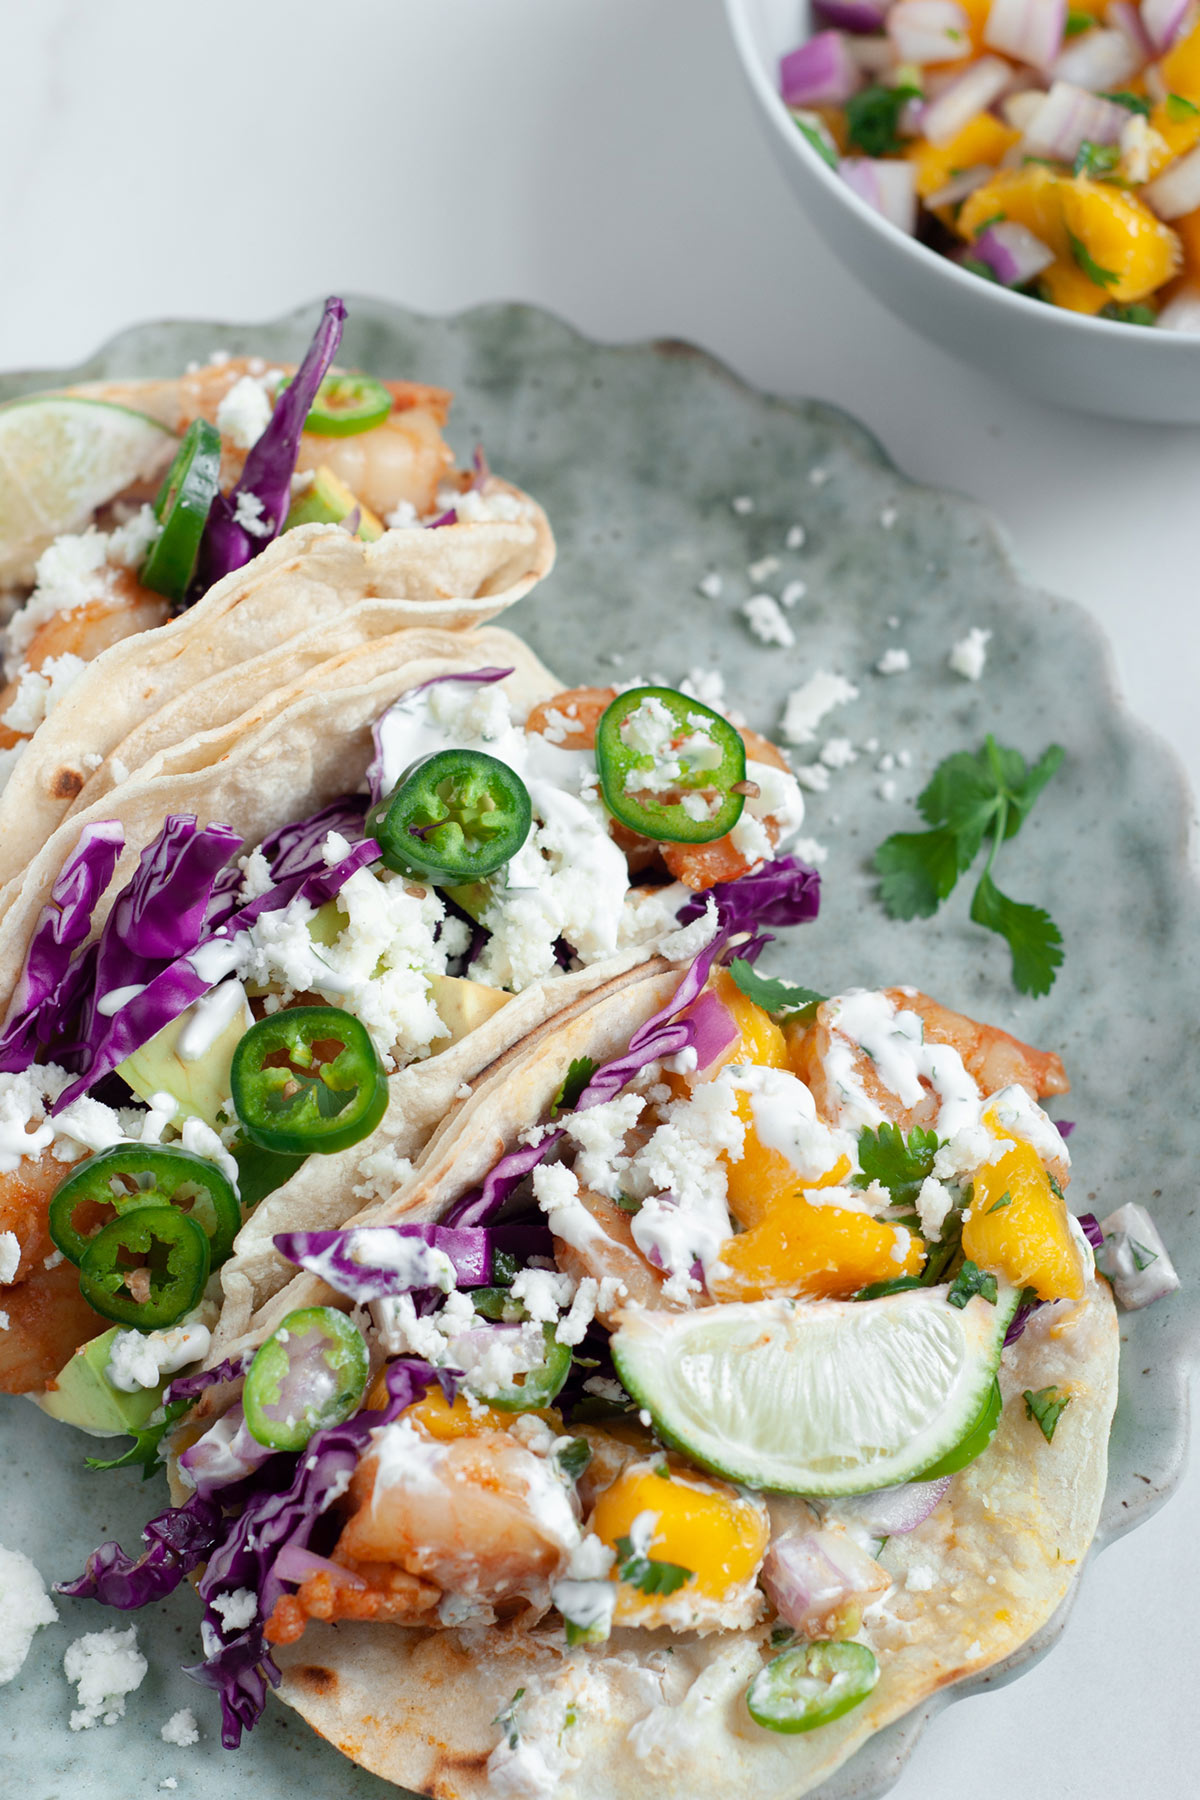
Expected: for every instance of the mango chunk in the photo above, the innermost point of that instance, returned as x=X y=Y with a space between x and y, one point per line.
x=813 y=1253
x=701 y=1524
x=1016 y=1226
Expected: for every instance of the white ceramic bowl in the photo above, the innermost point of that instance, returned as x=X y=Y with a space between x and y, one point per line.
x=1093 y=365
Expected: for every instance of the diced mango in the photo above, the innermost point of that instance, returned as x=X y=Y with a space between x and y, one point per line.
x=759 y=1040
x=446 y=1421
x=762 y=1178
x=1188 y=230
x=983 y=140
x=700 y=1523
x=1178 y=136
x=1016 y=1226
x=977 y=16
x=813 y=1253
x=1085 y=223
x=1180 y=67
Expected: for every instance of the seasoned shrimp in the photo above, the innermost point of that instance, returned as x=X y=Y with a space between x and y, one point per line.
x=25 y=1197
x=992 y=1058
x=48 y=1319
x=375 y=1591
x=477 y=1514
x=121 y=609
x=570 y=720
x=611 y=1251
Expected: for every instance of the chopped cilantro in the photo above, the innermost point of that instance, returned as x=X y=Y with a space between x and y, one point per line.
x=972 y=798
x=1134 y=314
x=975 y=265
x=580 y=1072
x=996 y=218
x=1077 y=23
x=781 y=1635
x=879 y=1290
x=506 y=1719
x=1054 y=1187
x=873 y=117
x=628 y=1204
x=1089 y=265
x=1142 y=1257
x=774 y=996
x=898 y=1163
x=969 y=1281
x=1134 y=103
x=574 y=1457
x=817 y=135
x=1180 y=109
x=143 y=1452
x=1045 y=1408
x=647 y=1574
x=1096 y=159
x=999 y=1205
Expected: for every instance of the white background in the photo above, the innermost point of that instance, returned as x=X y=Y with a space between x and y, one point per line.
x=601 y=158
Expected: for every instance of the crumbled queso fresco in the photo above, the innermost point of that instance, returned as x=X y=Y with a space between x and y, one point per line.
x=24 y=1606
x=105 y=1667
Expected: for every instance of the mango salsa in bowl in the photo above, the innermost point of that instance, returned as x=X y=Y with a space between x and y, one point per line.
x=1019 y=179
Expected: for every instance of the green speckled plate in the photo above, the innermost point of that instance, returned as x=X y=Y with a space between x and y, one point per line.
x=637 y=454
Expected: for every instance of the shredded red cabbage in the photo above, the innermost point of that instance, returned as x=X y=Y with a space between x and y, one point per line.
x=1064 y=1127
x=190 y=1387
x=783 y=892
x=267 y=475
x=179 y=1541
x=1090 y=1225
x=61 y=929
x=484 y=677
x=342 y=1259
x=449 y=517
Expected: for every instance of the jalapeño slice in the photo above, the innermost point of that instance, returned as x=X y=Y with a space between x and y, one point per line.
x=182 y=509
x=454 y=818
x=348 y=404
x=146 y=1268
x=311 y=1373
x=308 y=1079
x=811 y=1685
x=129 y=1176
x=670 y=768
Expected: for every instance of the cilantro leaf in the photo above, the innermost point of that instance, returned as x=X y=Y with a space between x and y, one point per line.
x=969 y=799
x=879 y=1290
x=1031 y=934
x=1134 y=103
x=647 y=1574
x=1180 y=109
x=1142 y=1257
x=774 y=996
x=574 y=1457
x=969 y=1281
x=1045 y=1408
x=1096 y=159
x=143 y=1452
x=1054 y=1187
x=579 y=1073
x=999 y=1205
x=816 y=132
x=900 y=1164
x=1077 y=23
x=1133 y=314
x=506 y=1719
x=1089 y=265
x=873 y=117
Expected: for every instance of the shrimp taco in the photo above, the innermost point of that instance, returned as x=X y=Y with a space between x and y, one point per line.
x=245 y=986
x=300 y=508
x=729 y=1375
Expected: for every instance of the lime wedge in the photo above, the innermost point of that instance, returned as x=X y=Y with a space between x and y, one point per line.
x=60 y=458
x=826 y=1397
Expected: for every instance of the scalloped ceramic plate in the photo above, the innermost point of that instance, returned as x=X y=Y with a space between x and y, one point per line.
x=637 y=454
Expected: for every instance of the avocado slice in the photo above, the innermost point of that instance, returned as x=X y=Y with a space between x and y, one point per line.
x=83 y=1395
x=200 y=1083
x=462 y=1005
x=327 y=501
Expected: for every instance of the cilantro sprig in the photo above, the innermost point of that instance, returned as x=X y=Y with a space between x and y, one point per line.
x=1044 y=1408
x=143 y=1452
x=773 y=995
x=969 y=1281
x=579 y=1073
x=973 y=798
x=1089 y=265
x=647 y=1574
x=873 y=118
x=898 y=1163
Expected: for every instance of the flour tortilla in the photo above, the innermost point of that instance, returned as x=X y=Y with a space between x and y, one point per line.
x=307 y=582
x=418 y=1706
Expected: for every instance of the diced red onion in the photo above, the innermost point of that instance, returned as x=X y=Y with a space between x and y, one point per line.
x=966 y=97
x=929 y=31
x=1067 y=117
x=960 y=186
x=889 y=187
x=821 y=72
x=852 y=15
x=1028 y=30
x=295 y=1564
x=891 y=1511
x=714 y=1029
x=1124 y=16
x=1177 y=190
x=1097 y=60
x=1163 y=21
x=1182 y=311
x=808 y=1575
x=1013 y=254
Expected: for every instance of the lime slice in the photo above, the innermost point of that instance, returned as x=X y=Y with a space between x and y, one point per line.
x=831 y=1397
x=60 y=458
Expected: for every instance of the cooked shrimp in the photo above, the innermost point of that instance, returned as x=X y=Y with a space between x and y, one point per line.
x=120 y=610
x=570 y=719
x=477 y=1514
x=48 y=1319
x=376 y=1591
x=993 y=1059
x=612 y=1252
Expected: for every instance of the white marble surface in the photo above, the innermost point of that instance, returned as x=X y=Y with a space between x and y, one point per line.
x=599 y=157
